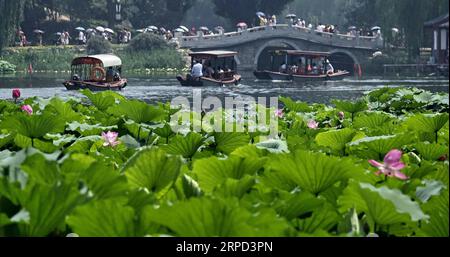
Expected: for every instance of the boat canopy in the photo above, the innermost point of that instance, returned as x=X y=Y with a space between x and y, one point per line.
x=213 y=54
x=107 y=60
x=301 y=53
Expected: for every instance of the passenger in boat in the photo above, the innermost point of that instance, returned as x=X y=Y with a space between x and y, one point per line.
x=301 y=67
x=209 y=71
x=315 y=69
x=110 y=75
x=330 y=68
x=283 y=68
x=197 y=70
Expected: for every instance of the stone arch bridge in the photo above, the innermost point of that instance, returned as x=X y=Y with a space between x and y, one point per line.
x=254 y=44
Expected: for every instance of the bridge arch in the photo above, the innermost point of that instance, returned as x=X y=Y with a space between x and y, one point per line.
x=344 y=60
x=276 y=43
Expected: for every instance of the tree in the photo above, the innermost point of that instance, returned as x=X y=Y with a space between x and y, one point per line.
x=161 y=13
x=236 y=10
x=10 y=13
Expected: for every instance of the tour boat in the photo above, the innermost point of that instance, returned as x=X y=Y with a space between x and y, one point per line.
x=92 y=72
x=222 y=62
x=299 y=67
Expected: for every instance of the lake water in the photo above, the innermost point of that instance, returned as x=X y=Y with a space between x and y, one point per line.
x=164 y=88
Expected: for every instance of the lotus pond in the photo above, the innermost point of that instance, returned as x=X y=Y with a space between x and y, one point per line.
x=105 y=165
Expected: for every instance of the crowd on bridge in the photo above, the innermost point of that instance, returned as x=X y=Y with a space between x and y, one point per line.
x=123 y=36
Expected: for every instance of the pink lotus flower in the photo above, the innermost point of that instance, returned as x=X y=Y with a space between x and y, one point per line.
x=279 y=113
x=110 y=138
x=15 y=94
x=27 y=108
x=313 y=124
x=392 y=165
x=341 y=115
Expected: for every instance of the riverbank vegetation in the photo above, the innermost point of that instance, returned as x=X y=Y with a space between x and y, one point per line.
x=59 y=58
x=104 y=165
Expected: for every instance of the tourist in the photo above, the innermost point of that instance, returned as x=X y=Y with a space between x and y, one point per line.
x=81 y=38
x=283 y=68
x=209 y=71
x=197 y=70
x=329 y=67
x=110 y=74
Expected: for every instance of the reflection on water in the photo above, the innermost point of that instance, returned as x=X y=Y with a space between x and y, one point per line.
x=165 y=88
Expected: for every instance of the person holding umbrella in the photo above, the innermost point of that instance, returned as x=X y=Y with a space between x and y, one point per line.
x=39 y=34
x=81 y=36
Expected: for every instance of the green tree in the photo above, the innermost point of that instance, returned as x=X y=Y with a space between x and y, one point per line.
x=10 y=13
x=236 y=10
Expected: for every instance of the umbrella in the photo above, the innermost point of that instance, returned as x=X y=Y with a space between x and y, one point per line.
x=153 y=27
x=291 y=16
x=204 y=28
x=241 y=24
x=38 y=31
x=163 y=30
x=100 y=28
x=141 y=30
x=58 y=33
x=352 y=28
x=395 y=30
x=218 y=28
x=260 y=14
x=109 y=30
x=376 y=28
x=184 y=28
x=179 y=30
x=89 y=30
x=80 y=28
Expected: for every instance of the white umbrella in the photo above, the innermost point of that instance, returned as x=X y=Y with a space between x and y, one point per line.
x=204 y=28
x=395 y=30
x=109 y=30
x=376 y=28
x=80 y=28
x=184 y=28
x=153 y=27
x=141 y=30
x=100 y=29
x=179 y=30
x=38 y=31
x=291 y=16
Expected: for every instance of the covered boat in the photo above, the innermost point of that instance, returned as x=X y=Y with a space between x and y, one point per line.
x=219 y=69
x=97 y=73
x=294 y=65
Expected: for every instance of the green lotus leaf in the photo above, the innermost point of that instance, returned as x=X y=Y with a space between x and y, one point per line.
x=298 y=204
x=88 y=129
x=34 y=126
x=213 y=172
x=437 y=208
x=190 y=187
x=105 y=218
x=430 y=123
x=102 y=100
x=321 y=220
x=336 y=139
x=313 y=172
x=137 y=111
x=293 y=106
x=152 y=169
x=228 y=142
x=41 y=170
x=383 y=144
x=186 y=146
x=431 y=152
x=46 y=207
x=219 y=218
x=350 y=106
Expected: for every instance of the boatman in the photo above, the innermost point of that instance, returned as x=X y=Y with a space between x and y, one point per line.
x=330 y=68
x=197 y=70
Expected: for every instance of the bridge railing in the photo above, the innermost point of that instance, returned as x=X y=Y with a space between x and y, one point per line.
x=307 y=33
